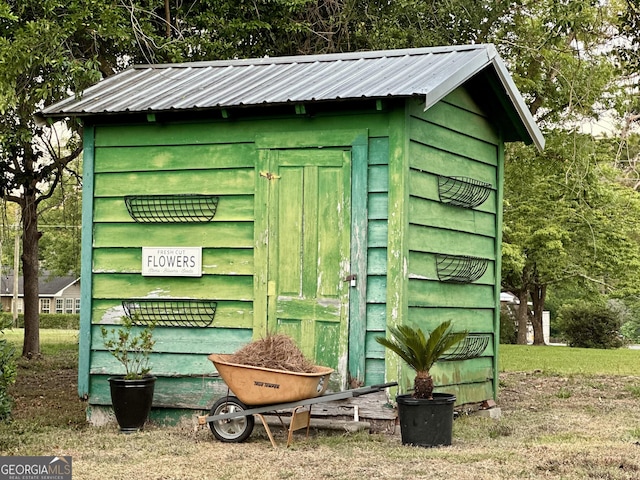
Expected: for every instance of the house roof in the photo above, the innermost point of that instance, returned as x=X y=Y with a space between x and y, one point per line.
x=508 y=297
x=431 y=73
x=48 y=285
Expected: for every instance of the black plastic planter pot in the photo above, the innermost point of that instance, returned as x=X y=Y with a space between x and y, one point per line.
x=132 y=401
x=426 y=423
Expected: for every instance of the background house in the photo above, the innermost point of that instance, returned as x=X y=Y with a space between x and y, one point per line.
x=57 y=294
x=509 y=302
x=323 y=196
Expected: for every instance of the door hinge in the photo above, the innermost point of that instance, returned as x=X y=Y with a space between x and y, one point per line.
x=269 y=175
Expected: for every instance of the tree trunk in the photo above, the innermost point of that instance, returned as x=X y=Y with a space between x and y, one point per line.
x=538 y=295
x=167 y=18
x=423 y=385
x=523 y=316
x=30 y=267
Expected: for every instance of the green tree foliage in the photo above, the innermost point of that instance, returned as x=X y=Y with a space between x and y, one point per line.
x=508 y=333
x=60 y=222
x=415 y=23
x=627 y=50
x=568 y=223
x=627 y=160
x=49 y=48
x=555 y=53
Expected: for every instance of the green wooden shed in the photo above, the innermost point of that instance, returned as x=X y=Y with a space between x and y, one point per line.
x=323 y=196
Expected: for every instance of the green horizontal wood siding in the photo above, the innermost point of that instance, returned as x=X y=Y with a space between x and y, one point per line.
x=164 y=365
x=153 y=159
x=453 y=138
x=233 y=314
x=170 y=392
x=375 y=369
x=200 y=341
x=455 y=143
x=406 y=227
x=474 y=370
x=468 y=391
x=452 y=242
x=432 y=159
x=215 y=261
x=236 y=132
x=377 y=233
x=223 y=182
x=479 y=320
x=435 y=214
x=230 y=208
x=156 y=157
x=422 y=266
x=215 y=287
x=376 y=317
x=219 y=158
x=440 y=294
x=222 y=234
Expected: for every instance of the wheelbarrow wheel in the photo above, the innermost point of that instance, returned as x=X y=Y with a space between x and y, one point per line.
x=231 y=430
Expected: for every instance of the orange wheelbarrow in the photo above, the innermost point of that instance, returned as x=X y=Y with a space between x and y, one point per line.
x=260 y=390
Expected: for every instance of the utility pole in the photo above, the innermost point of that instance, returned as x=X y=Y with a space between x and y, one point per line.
x=16 y=270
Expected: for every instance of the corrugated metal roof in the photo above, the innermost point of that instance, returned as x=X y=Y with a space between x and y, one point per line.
x=430 y=72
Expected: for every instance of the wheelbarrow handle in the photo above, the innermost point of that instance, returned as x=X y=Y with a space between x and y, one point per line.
x=373 y=388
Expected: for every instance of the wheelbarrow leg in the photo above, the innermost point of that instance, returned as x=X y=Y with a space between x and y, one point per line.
x=267 y=429
x=300 y=418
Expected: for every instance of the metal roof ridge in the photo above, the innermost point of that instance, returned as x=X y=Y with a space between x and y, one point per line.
x=324 y=57
x=463 y=72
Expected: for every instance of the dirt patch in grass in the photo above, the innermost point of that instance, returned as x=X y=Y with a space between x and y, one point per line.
x=552 y=426
x=45 y=392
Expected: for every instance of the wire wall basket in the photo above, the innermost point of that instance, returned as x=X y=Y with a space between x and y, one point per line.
x=171 y=208
x=460 y=268
x=473 y=345
x=463 y=191
x=172 y=313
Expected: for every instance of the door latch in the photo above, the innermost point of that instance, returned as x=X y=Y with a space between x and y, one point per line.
x=351 y=279
x=269 y=175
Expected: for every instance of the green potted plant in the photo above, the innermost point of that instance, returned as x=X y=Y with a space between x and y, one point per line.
x=426 y=418
x=131 y=393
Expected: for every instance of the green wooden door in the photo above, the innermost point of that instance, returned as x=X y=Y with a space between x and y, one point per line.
x=308 y=248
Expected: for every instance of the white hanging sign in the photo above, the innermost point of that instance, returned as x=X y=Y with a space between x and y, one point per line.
x=172 y=261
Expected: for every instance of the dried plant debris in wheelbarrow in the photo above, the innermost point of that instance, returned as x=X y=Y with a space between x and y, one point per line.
x=275 y=351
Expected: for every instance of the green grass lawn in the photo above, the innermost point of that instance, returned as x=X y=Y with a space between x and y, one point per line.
x=568 y=360
x=576 y=417
x=52 y=341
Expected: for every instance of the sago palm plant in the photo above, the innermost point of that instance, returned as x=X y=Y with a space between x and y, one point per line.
x=420 y=352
